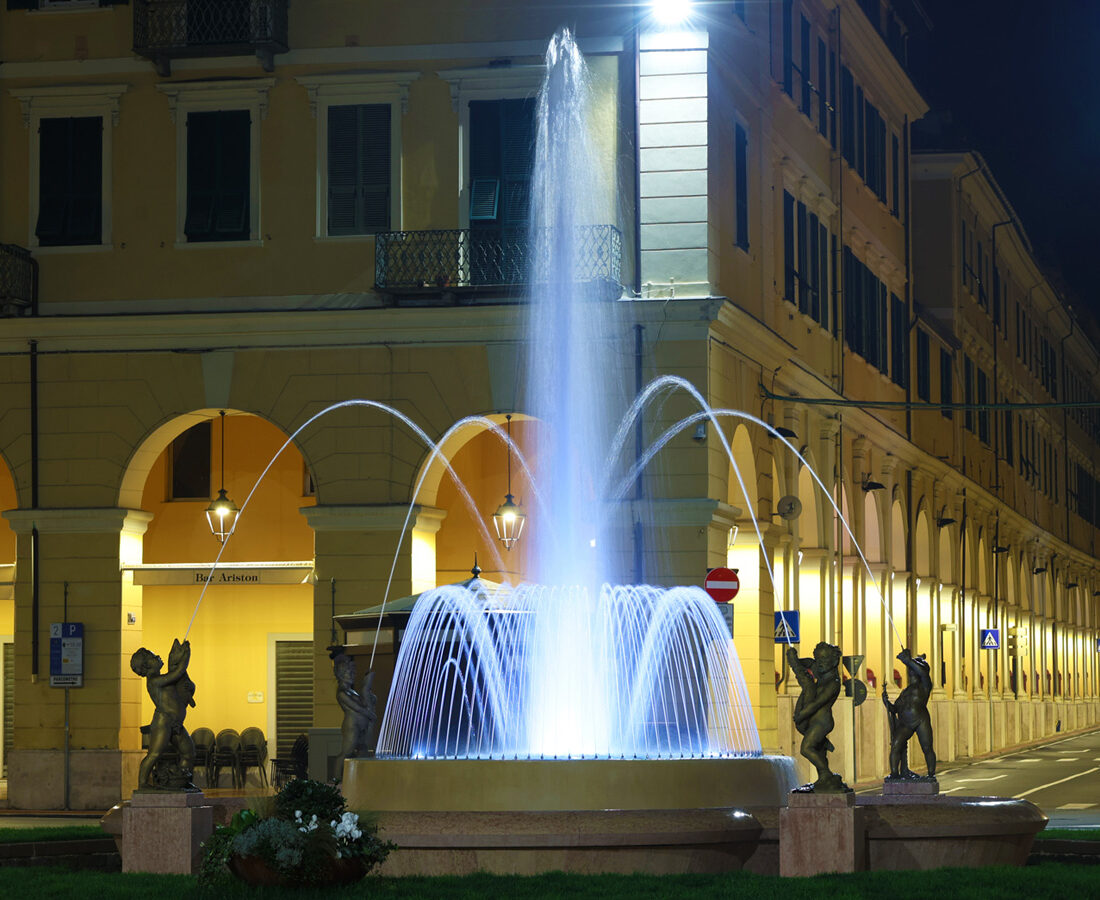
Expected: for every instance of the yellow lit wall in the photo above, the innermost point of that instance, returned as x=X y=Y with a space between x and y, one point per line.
x=229 y=645
x=7 y=548
x=230 y=637
x=481 y=465
x=270 y=528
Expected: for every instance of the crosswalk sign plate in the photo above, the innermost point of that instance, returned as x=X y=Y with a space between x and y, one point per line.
x=991 y=638
x=786 y=626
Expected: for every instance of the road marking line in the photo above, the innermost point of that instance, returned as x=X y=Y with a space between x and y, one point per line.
x=1059 y=781
x=949 y=790
x=1035 y=759
x=1068 y=759
x=992 y=778
x=1077 y=806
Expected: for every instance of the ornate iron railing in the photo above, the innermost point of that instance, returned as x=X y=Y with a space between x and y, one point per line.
x=18 y=281
x=463 y=258
x=170 y=29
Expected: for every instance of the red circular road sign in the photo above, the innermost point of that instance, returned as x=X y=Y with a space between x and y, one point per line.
x=722 y=584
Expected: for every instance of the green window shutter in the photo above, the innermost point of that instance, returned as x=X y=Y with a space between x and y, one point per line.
x=218 y=175
x=8 y=675
x=293 y=693
x=70 y=207
x=359 y=168
x=517 y=139
x=22 y=4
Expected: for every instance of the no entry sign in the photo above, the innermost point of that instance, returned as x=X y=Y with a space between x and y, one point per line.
x=722 y=584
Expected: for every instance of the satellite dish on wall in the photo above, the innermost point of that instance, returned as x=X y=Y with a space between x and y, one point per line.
x=789 y=507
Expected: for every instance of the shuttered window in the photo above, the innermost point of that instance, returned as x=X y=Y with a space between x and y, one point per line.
x=358 y=168
x=8 y=698
x=741 y=185
x=293 y=693
x=218 y=175
x=70 y=187
x=502 y=140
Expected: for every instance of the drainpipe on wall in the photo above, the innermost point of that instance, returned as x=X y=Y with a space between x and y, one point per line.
x=34 y=505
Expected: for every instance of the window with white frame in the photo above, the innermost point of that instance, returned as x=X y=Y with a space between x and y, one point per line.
x=218 y=159
x=358 y=150
x=70 y=129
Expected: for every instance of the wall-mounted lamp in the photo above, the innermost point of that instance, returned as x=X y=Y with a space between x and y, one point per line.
x=944 y=521
x=1038 y=570
x=999 y=549
x=870 y=484
x=700 y=432
x=509 y=518
x=1071 y=584
x=781 y=431
x=221 y=514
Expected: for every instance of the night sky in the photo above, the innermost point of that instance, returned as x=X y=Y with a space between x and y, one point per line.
x=1022 y=82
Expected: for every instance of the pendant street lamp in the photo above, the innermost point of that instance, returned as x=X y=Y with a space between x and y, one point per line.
x=221 y=514
x=509 y=517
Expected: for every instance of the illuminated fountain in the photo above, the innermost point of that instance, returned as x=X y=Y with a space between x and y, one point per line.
x=571 y=696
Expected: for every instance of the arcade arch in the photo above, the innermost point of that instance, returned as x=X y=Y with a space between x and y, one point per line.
x=258 y=608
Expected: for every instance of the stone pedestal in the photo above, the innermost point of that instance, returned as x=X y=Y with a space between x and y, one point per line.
x=821 y=833
x=910 y=787
x=163 y=832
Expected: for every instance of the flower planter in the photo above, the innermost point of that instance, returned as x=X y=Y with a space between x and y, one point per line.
x=255 y=870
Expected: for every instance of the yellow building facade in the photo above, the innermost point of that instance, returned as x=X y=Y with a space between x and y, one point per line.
x=267 y=209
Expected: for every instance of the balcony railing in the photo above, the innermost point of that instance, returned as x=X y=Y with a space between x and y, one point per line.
x=462 y=260
x=18 y=281
x=172 y=29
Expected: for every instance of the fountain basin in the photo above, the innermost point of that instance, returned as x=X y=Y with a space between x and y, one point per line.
x=512 y=785
x=526 y=816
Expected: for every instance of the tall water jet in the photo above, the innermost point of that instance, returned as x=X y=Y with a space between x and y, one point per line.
x=574 y=332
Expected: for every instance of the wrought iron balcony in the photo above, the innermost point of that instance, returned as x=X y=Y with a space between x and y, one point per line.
x=18 y=281
x=172 y=29
x=463 y=260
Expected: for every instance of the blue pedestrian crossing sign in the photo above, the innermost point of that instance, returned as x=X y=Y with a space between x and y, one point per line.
x=786 y=626
x=991 y=638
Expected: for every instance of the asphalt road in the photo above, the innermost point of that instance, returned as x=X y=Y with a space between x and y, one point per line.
x=1062 y=778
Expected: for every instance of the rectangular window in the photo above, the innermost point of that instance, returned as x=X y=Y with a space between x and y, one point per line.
x=218 y=175
x=788 y=47
x=741 y=185
x=997 y=288
x=822 y=81
x=968 y=393
x=806 y=91
x=358 y=168
x=189 y=464
x=983 y=401
x=813 y=268
x=70 y=186
x=899 y=334
x=924 y=363
x=964 y=259
x=788 y=248
x=802 y=255
x=847 y=117
x=895 y=174
x=1008 y=427
x=823 y=275
x=946 y=389
x=861 y=134
x=832 y=99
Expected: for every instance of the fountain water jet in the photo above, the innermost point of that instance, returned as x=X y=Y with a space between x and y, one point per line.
x=623 y=705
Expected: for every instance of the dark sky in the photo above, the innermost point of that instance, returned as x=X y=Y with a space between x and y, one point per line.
x=1022 y=82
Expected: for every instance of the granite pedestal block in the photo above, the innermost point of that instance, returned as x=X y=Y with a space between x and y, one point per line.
x=821 y=833
x=163 y=832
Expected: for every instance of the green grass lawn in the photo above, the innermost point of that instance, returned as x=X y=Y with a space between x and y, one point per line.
x=1069 y=834
x=1050 y=880
x=51 y=833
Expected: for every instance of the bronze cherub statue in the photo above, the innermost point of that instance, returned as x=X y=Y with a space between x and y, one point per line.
x=819 y=679
x=359 y=710
x=908 y=715
x=171 y=693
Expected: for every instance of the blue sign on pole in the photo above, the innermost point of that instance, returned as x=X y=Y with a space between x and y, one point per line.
x=786 y=626
x=67 y=654
x=991 y=638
